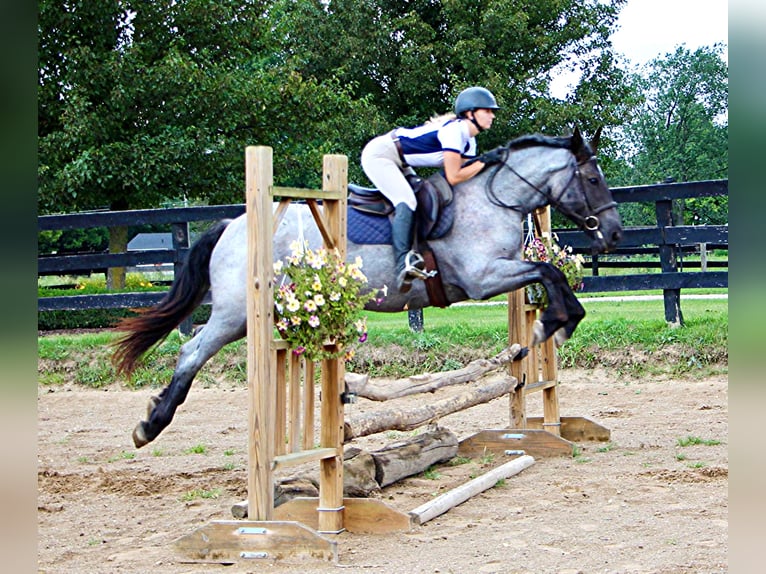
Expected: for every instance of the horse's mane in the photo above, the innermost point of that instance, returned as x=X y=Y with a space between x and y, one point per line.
x=533 y=140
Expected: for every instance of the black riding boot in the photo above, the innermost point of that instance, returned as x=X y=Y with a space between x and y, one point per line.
x=402 y=231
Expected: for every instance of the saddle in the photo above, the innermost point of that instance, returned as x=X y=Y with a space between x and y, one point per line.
x=432 y=215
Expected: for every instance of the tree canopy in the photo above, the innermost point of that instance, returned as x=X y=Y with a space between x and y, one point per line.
x=140 y=101
x=679 y=132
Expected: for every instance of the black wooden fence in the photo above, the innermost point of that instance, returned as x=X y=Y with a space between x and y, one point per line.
x=666 y=239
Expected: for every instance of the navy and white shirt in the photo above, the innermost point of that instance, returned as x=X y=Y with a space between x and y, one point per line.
x=424 y=146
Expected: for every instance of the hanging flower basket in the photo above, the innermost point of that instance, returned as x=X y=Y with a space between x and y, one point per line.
x=546 y=249
x=318 y=302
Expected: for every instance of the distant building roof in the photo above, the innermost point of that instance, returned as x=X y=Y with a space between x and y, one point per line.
x=144 y=241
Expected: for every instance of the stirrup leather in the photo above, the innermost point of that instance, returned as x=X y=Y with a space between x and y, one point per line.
x=415 y=266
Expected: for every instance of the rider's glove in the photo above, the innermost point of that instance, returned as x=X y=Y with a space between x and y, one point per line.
x=496 y=155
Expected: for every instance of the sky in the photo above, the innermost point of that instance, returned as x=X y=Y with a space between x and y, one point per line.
x=651 y=28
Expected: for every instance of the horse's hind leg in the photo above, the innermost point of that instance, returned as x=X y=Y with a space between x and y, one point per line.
x=193 y=355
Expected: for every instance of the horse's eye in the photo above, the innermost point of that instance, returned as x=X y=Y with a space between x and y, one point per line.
x=593 y=180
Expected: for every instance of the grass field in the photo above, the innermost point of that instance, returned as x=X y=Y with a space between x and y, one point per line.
x=629 y=336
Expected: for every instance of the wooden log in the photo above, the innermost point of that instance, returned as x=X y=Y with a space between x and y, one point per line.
x=414 y=455
x=405 y=420
x=429 y=382
x=443 y=503
x=358 y=481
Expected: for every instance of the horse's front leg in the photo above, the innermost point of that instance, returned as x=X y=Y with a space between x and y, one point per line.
x=564 y=311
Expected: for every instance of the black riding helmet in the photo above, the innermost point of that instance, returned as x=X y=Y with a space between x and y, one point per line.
x=474 y=98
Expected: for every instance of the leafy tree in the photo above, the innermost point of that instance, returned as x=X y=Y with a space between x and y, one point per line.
x=144 y=101
x=680 y=132
x=141 y=101
x=413 y=57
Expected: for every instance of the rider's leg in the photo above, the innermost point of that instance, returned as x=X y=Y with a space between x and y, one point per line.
x=382 y=165
x=402 y=231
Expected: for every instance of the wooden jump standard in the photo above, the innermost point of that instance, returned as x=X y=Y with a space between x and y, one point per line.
x=281 y=406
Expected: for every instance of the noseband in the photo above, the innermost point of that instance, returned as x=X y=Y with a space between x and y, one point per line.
x=590 y=222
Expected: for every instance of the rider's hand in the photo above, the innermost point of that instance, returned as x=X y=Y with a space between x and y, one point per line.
x=493 y=156
x=496 y=155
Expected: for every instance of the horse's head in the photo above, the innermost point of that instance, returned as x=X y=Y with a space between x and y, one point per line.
x=587 y=199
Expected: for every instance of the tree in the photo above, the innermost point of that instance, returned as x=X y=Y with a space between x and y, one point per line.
x=140 y=101
x=413 y=57
x=680 y=132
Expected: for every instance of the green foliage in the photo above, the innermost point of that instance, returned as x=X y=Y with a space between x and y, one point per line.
x=141 y=103
x=679 y=133
x=626 y=337
x=695 y=440
x=201 y=493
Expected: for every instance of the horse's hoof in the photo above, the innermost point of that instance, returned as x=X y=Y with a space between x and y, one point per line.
x=560 y=337
x=139 y=435
x=538 y=333
x=523 y=352
x=153 y=402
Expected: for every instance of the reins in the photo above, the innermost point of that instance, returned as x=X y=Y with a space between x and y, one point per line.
x=589 y=222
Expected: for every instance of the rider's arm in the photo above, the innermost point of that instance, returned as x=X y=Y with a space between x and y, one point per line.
x=455 y=171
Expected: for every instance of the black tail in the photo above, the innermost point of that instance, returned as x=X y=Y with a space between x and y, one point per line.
x=185 y=295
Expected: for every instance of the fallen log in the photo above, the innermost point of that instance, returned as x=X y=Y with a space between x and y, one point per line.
x=358 y=481
x=443 y=503
x=413 y=455
x=404 y=420
x=365 y=472
x=429 y=382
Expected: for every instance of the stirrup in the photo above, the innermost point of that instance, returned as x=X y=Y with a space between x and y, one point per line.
x=415 y=266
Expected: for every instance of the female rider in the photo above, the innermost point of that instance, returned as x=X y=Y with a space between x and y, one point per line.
x=444 y=142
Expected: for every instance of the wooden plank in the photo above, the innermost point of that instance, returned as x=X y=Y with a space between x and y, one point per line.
x=294 y=442
x=534 y=442
x=517 y=333
x=645 y=281
x=232 y=541
x=260 y=320
x=448 y=500
x=334 y=181
x=308 y=194
x=658 y=192
x=360 y=515
x=308 y=404
x=299 y=457
x=576 y=429
x=538 y=386
x=280 y=423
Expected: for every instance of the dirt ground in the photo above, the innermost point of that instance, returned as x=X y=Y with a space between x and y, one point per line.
x=641 y=503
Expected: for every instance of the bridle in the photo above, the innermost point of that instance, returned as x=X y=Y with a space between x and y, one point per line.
x=590 y=222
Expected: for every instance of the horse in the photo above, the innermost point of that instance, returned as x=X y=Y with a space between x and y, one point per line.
x=479 y=257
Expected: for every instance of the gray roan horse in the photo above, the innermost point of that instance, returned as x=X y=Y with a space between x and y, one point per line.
x=480 y=257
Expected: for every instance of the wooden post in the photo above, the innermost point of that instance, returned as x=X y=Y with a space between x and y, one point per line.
x=180 y=239
x=260 y=324
x=335 y=178
x=669 y=264
x=518 y=333
x=548 y=355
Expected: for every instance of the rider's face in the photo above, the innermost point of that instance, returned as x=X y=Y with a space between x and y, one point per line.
x=484 y=117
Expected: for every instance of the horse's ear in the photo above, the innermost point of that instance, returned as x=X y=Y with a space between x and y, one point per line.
x=595 y=140
x=576 y=139
x=578 y=147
